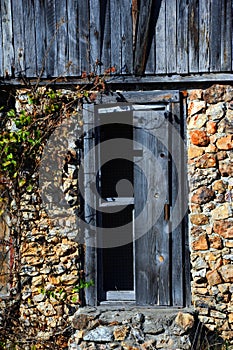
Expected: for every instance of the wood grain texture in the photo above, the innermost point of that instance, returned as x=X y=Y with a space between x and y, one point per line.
x=84 y=43
x=29 y=38
x=115 y=15
x=215 y=35
x=89 y=209
x=171 y=39
x=95 y=34
x=105 y=35
x=182 y=37
x=40 y=38
x=51 y=34
x=193 y=26
x=204 y=36
x=126 y=37
x=160 y=41
x=62 y=38
x=73 y=37
x=7 y=38
x=226 y=35
x=19 y=43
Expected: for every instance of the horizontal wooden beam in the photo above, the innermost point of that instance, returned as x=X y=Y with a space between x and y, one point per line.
x=130 y=79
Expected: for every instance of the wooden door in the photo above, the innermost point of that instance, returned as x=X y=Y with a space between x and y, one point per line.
x=161 y=260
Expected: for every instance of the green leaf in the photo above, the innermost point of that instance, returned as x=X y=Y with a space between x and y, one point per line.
x=22 y=182
x=11 y=113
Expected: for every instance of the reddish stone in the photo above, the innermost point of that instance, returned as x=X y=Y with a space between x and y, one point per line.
x=224 y=228
x=211 y=127
x=225 y=143
x=194 y=152
x=202 y=195
x=199 y=138
x=201 y=243
x=213 y=278
x=208 y=160
x=214 y=94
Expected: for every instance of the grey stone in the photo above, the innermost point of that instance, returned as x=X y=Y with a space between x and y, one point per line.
x=99 y=334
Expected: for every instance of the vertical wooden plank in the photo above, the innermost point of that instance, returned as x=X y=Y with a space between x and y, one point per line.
x=215 y=35
x=73 y=37
x=160 y=40
x=115 y=15
x=150 y=65
x=226 y=36
x=105 y=35
x=18 y=29
x=61 y=38
x=90 y=266
x=182 y=37
x=95 y=34
x=84 y=47
x=7 y=37
x=194 y=36
x=51 y=37
x=204 y=36
x=176 y=187
x=171 y=45
x=40 y=34
x=29 y=38
x=152 y=249
x=126 y=37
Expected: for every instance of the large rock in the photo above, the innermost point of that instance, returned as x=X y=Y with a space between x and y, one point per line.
x=221 y=212
x=99 y=334
x=213 y=278
x=224 y=228
x=216 y=93
x=202 y=195
x=184 y=320
x=199 y=138
x=226 y=272
x=216 y=112
x=208 y=160
x=195 y=107
x=199 y=219
x=225 y=143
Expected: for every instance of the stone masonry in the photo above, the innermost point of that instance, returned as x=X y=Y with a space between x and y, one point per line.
x=210 y=174
x=51 y=263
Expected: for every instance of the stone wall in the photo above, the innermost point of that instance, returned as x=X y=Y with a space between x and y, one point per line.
x=51 y=264
x=132 y=328
x=210 y=174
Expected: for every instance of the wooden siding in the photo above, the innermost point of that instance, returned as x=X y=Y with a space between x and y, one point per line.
x=52 y=38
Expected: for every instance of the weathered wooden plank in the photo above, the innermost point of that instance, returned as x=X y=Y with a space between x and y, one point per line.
x=40 y=28
x=95 y=35
x=171 y=44
x=84 y=47
x=193 y=36
x=176 y=200
x=142 y=36
x=160 y=40
x=61 y=38
x=51 y=37
x=152 y=248
x=18 y=29
x=141 y=96
x=7 y=37
x=126 y=37
x=90 y=266
x=150 y=63
x=73 y=41
x=115 y=15
x=226 y=35
x=105 y=35
x=204 y=35
x=29 y=38
x=182 y=37
x=215 y=36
